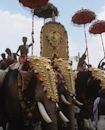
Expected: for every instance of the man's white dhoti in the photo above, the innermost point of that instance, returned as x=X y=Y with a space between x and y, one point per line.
x=101 y=123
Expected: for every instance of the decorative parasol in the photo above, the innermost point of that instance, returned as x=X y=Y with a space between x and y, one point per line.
x=47 y=11
x=33 y=4
x=98 y=27
x=83 y=16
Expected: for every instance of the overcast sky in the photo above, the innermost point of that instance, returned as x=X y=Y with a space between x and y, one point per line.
x=15 y=22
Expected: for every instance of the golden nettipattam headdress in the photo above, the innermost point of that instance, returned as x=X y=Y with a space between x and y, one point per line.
x=45 y=70
x=67 y=72
x=99 y=74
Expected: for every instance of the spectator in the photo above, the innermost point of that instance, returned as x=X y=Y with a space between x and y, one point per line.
x=11 y=57
x=82 y=63
x=3 y=61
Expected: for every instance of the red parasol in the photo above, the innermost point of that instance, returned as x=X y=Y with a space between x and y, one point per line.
x=83 y=16
x=33 y=4
x=98 y=27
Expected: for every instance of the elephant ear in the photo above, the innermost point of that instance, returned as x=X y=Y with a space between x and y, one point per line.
x=24 y=78
x=66 y=70
x=46 y=75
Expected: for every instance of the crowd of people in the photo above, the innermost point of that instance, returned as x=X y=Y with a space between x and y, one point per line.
x=10 y=57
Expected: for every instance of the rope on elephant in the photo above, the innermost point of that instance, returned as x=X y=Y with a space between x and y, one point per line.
x=46 y=75
x=67 y=72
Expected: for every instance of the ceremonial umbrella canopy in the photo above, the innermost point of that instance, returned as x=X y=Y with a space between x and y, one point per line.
x=47 y=11
x=33 y=4
x=98 y=27
x=83 y=16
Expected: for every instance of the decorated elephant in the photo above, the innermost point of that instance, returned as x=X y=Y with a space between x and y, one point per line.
x=88 y=84
x=30 y=97
x=66 y=91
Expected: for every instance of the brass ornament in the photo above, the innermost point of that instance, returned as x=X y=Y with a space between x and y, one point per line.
x=67 y=72
x=99 y=74
x=54 y=40
x=45 y=70
x=28 y=107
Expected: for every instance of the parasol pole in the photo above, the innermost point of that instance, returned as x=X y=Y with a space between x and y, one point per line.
x=102 y=44
x=86 y=44
x=32 y=34
x=53 y=16
x=44 y=20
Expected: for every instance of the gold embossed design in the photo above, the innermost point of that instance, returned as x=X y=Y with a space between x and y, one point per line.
x=41 y=64
x=67 y=72
x=99 y=74
x=54 y=40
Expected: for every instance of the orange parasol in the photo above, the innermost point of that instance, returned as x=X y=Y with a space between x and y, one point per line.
x=98 y=27
x=33 y=4
x=83 y=16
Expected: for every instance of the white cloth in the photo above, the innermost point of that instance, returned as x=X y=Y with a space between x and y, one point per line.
x=101 y=123
x=89 y=124
x=95 y=110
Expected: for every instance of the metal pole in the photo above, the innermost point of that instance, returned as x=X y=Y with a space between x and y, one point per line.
x=102 y=44
x=86 y=44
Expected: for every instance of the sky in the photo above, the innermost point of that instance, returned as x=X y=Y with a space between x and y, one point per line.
x=16 y=21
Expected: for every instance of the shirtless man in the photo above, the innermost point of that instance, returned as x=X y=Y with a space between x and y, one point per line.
x=82 y=63
x=24 y=49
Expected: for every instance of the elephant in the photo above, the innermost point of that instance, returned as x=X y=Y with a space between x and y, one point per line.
x=87 y=88
x=26 y=100
x=66 y=92
x=2 y=114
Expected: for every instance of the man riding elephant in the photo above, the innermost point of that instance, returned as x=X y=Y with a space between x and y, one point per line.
x=30 y=97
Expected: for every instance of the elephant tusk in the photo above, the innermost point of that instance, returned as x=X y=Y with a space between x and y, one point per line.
x=77 y=102
x=44 y=113
x=62 y=116
x=65 y=100
x=1 y=128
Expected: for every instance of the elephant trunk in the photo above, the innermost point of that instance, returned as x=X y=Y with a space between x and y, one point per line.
x=62 y=116
x=43 y=112
x=65 y=100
